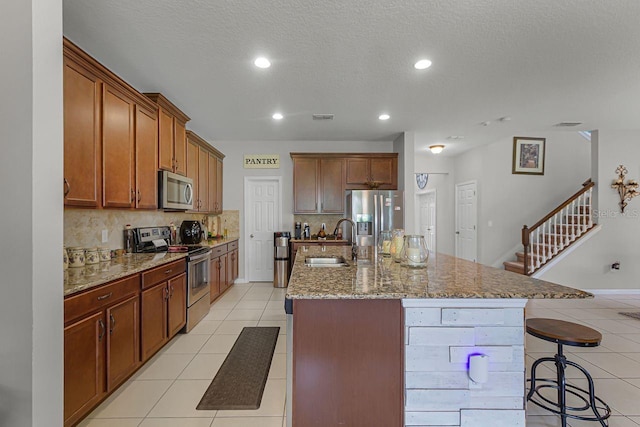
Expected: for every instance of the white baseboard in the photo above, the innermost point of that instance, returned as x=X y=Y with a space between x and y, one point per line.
x=613 y=291
x=240 y=280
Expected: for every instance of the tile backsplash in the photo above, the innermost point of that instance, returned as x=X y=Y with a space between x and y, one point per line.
x=315 y=222
x=83 y=227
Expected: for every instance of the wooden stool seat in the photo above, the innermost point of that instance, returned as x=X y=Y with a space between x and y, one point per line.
x=591 y=407
x=562 y=332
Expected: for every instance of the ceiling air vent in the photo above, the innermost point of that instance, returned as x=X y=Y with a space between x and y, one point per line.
x=322 y=117
x=567 y=124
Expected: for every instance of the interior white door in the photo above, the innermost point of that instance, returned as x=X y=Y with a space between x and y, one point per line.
x=262 y=219
x=427 y=218
x=466 y=221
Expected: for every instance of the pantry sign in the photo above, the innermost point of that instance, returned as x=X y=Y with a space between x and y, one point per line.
x=262 y=161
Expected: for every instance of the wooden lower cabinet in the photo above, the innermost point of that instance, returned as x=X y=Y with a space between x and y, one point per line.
x=224 y=268
x=164 y=313
x=214 y=281
x=123 y=341
x=84 y=361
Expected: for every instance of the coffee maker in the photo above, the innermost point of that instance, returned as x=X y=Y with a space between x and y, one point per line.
x=190 y=232
x=298 y=231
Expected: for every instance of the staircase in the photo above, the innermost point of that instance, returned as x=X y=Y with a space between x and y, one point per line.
x=554 y=233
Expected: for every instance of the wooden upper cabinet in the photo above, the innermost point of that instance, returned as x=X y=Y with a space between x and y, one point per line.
x=146 y=159
x=117 y=149
x=204 y=166
x=172 y=139
x=332 y=184
x=82 y=157
x=212 y=168
x=378 y=168
x=203 y=180
x=219 y=185
x=305 y=185
x=193 y=151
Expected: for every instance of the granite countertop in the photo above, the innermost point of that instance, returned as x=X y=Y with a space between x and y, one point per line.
x=82 y=278
x=382 y=278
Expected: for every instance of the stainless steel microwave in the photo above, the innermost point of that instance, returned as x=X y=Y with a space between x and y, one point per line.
x=175 y=192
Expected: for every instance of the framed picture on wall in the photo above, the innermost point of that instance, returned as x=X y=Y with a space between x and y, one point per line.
x=528 y=155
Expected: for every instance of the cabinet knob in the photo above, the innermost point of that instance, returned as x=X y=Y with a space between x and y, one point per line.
x=113 y=323
x=67 y=187
x=103 y=329
x=139 y=196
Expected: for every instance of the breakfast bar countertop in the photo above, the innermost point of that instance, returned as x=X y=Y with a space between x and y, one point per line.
x=372 y=277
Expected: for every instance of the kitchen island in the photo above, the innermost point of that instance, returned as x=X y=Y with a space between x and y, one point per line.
x=379 y=344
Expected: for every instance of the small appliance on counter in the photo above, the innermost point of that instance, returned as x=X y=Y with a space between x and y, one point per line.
x=190 y=232
x=298 y=231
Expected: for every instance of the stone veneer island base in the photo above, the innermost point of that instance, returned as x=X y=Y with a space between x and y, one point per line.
x=380 y=344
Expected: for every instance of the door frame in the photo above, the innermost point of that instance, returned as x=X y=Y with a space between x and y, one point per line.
x=460 y=184
x=433 y=191
x=245 y=222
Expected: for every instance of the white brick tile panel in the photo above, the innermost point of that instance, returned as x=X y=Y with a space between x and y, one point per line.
x=442 y=336
x=497 y=354
x=436 y=400
x=430 y=359
x=422 y=316
x=455 y=380
x=495 y=402
x=496 y=335
x=516 y=365
x=483 y=316
x=501 y=384
x=432 y=418
x=476 y=418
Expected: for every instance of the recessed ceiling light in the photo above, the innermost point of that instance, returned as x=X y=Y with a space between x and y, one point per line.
x=423 y=64
x=262 y=62
x=277 y=116
x=384 y=117
x=436 y=149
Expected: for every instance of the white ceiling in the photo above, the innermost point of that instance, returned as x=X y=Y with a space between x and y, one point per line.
x=540 y=62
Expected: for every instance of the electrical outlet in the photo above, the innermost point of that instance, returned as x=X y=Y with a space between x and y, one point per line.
x=105 y=236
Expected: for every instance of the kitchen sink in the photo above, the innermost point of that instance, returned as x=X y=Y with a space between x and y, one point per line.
x=328 y=261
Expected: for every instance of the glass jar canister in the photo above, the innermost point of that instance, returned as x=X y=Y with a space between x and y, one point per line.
x=384 y=243
x=397 y=241
x=414 y=251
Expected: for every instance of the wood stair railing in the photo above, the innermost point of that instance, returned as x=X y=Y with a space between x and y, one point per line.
x=554 y=233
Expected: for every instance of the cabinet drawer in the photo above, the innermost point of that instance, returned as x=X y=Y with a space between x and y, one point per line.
x=77 y=306
x=233 y=245
x=218 y=250
x=163 y=273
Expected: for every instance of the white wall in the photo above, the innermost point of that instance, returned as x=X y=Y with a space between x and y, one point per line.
x=588 y=267
x=31 y=131
x=405 y=145
x=509 y=200
x=234 y=172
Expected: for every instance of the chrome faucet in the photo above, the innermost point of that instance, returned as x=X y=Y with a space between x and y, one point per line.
x=354 y=246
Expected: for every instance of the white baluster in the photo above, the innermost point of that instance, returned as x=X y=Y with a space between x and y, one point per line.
x=590 y=218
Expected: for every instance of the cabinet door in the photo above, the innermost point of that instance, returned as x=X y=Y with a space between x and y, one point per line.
x=214 y=280
x=224 y=282
x=192 y=170
x=203 y=180
x=154 y=319
x=219 y=186
x=235 y=263
x=305 y=185
x=212 y=165
x=180 y=148
x=332 y=178
x=177 y=304
x=82 y=94
x=146 y=159
x=358 y=171
x=165 y=140
x=83 y=366
x=117 y=149
x=123 y=341
x=385 y=170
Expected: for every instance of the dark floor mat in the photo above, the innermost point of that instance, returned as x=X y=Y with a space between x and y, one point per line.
x=635 y=315
x=240 y=381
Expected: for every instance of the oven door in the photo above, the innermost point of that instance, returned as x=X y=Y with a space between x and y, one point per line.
x=198 y=277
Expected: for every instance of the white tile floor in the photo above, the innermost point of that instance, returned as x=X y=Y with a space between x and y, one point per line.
x=165 y=392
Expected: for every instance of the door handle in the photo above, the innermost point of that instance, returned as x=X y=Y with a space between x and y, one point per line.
x=457 y=232
x=102 y=330
x=113 y=323
x=251 y=236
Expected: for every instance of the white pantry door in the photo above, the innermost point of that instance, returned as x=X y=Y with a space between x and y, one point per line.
x=466 y=220
x=262 y=218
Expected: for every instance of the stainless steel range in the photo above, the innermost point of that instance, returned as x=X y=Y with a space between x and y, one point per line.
x=157 y=239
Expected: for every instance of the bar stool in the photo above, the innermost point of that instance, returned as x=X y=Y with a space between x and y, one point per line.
x=573 y=334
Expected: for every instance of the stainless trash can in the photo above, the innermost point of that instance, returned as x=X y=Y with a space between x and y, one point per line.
x=281 y=259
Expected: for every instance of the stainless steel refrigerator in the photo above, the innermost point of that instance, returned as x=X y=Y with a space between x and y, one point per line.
x=373 y=211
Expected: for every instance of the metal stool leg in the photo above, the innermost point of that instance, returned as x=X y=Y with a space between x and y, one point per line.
x=561 y=364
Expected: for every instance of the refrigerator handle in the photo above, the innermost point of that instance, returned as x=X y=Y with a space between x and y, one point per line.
x=375 y=221
x=381 y=214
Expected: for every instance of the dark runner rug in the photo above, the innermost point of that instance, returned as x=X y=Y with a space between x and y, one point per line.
x=240 y=381
x=635 y=315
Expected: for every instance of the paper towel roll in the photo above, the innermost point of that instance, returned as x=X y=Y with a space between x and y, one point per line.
x=479 y=368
